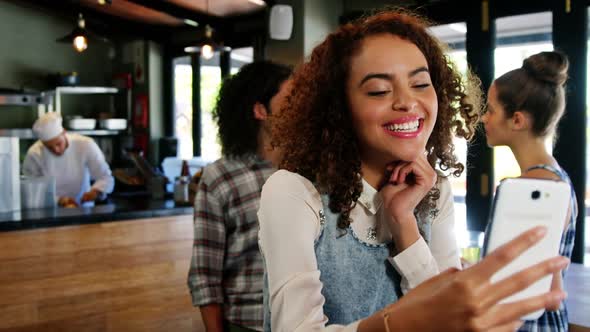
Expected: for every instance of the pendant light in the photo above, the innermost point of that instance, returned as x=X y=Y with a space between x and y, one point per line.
x=78 y=37
x=208 y=46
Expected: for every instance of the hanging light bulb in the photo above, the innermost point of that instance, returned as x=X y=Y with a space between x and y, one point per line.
x=80 y=43
x=208 y=46
x=207 y=51
x=78 y=37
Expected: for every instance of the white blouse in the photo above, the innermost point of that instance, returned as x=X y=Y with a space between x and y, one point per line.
x=289 y=225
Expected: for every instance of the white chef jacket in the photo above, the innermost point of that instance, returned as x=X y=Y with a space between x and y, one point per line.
x=82 y=161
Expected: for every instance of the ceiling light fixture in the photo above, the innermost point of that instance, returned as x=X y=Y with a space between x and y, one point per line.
x=191 y=22
x=208 y=46
x=78 y=37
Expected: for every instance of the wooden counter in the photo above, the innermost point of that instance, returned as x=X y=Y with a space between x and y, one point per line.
x=119 y=276
x=127 y=276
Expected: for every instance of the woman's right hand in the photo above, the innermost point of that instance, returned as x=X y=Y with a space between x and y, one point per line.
x=467 y=300
x=407 y=185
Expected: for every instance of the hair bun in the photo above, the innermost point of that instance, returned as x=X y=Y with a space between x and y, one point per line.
x=549 y=67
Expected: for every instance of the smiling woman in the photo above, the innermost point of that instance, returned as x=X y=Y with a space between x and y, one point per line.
x=392 y=101
x=362 y=210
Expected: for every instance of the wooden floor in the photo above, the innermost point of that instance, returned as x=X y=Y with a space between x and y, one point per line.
x=120 y=276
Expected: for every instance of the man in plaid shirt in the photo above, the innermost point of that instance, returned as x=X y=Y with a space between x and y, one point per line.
x=226 y=273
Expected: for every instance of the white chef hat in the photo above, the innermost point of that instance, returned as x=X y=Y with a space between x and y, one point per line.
x=48 y=126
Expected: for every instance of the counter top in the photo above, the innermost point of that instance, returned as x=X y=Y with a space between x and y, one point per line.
x=117 y=209
x=577 y=286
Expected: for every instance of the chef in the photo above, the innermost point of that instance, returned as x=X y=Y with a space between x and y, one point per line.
x=74 y=160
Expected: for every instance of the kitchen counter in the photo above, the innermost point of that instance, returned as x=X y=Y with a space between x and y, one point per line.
x=577 y=286
x=113 y=276
x=117 y=209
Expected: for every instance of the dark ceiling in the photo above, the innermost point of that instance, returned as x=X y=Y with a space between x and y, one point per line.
x=168 y=21
x=173 y=12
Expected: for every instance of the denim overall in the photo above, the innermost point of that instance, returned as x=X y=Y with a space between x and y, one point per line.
x=357 y=278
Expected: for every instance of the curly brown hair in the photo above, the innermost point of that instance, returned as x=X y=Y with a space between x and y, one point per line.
x=315 y=129
x=256 y=82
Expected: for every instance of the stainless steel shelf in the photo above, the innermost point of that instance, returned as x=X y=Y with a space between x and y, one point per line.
x=20 y=133
x=96 y=132
x=86 y=90
x=28 y=133
x=79 y=90
x=21 y=99
x=32 y=99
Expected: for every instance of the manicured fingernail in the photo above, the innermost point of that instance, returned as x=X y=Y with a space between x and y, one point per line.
x=540 y=231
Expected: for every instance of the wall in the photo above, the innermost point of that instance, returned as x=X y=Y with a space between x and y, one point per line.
x=290 y=51
x=312 y=21
x=361 y=5
x=29 y=53
x=146 y=57
x=321 y=18
x=156 y=90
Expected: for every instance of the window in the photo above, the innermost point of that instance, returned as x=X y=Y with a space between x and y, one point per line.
x=183 y=106
x=454 y=35
x=517 y=38
x=210 y=83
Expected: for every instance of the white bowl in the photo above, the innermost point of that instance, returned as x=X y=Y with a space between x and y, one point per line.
x=81 y=124
x=113 y=124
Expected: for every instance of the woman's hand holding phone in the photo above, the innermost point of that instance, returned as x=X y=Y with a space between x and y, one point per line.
x=520 y=204
x=467 y=300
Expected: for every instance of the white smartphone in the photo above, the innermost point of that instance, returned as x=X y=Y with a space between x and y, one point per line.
x=519 y=205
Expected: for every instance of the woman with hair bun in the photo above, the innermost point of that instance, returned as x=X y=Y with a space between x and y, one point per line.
x=524 y=108
x=361 y=211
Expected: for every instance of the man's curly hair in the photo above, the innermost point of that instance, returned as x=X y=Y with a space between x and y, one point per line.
x=256 y=82
x=315 y=129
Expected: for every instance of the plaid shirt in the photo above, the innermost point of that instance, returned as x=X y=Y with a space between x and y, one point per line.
x=226 y=265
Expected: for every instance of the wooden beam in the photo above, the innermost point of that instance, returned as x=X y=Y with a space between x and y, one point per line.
x=180 y=12
x=109 y=26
